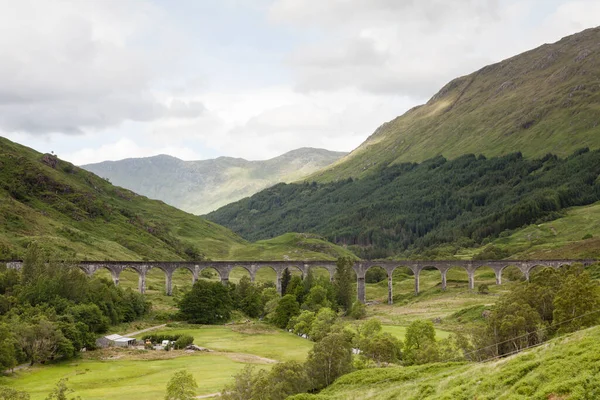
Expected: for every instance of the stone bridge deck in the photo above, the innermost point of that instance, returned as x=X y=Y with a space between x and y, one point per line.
x=224 y=268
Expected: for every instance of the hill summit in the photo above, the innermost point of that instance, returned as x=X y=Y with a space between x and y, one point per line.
x=545 y=100
x=203 y=186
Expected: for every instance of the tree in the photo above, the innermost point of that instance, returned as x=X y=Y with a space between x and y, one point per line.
x=419 y=343
x=244 y=386
x=206 y=303
x=576 y=301
x=284 y=380
x=248 y=298
x=7 y=393
x=302 y=324
x=321 y=326
x=40 y=341
x=60 y=391
x=344 y=283
x=358 y=310
x=382 y=348
x=285 y=280
x=181 y=386
x=316 y=299
x=286 y=308
x=329 y=359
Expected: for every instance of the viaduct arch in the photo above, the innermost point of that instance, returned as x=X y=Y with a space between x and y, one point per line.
x=224 y=268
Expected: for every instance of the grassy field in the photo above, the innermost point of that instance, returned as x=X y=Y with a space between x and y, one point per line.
x=130 y=374
x=256 y=339
x=564 y=368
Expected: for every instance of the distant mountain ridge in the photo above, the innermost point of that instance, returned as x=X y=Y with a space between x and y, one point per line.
x=546 y=100
x=203 y=186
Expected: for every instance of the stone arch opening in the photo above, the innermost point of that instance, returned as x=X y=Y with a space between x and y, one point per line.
x=484 y=279
x=105 y=272
x=265 y=273
x=209 y=274
x=320 y=272
x=376 y=284
x=156 y=281
x=238 y=272
x=457 y=278
x=129 y=278
x=182 y=280
x=511 y=273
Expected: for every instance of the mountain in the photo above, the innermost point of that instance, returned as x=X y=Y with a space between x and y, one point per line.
x=563 y=368
x=82 y=216
x=546 y=100
x=203 y=186
x=490 y=153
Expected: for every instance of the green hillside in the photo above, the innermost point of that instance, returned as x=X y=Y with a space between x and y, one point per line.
x=546 y=100
x=202 y=186
x=82 y=216
x=564 y=368
x=436 y=209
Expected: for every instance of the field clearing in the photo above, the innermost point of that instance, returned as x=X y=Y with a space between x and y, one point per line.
x=141 y=375
x=256 y=339
x=127 y=379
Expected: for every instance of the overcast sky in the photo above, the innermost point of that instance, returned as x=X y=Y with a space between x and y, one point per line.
x=105 y=80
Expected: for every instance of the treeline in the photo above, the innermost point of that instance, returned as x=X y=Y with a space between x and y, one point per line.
x=410 y=208
x=554 y=302
x=50 y=310
x=213 y=303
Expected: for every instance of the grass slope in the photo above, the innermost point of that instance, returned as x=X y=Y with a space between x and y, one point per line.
x=203 y=186
x=576 y=235
x=82 y=216
x=564 y=368
x=544 y=100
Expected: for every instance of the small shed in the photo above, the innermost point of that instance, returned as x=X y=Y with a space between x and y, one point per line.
x=119 y=341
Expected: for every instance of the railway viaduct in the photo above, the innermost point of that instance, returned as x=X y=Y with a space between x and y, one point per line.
x=224 y=268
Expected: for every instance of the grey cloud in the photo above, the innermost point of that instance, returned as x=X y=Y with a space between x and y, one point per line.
x=65 y=69
x=392 y=47
x=185 y=109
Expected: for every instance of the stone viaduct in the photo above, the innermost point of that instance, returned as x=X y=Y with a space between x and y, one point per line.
x=224 y=268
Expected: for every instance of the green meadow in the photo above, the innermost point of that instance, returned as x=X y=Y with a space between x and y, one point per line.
x=130 y=374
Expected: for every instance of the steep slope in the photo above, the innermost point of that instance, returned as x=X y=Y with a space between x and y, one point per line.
x=546 y=100
x=203 y=186
x=81 y=215
x=438 y=208
x=564 y=368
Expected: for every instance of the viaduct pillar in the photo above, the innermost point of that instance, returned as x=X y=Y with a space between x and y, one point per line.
x=360 y=287
x=444 y=282
x=417 y=272
x=142 y=280
x=169 y=282
x=390 y=288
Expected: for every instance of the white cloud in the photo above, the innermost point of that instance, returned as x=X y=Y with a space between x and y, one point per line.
x=75 y=66
x=414 y=47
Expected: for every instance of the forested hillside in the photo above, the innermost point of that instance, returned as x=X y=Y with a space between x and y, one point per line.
x=202 y=186
x=546 y=100
x=79 y=215
x=432 y=209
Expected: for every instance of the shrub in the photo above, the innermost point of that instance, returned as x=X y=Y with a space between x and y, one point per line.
x=358 y=310
x=183 y=341
x=484 y=289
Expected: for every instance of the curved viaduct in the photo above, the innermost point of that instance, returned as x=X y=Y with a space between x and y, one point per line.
x=224 y=268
